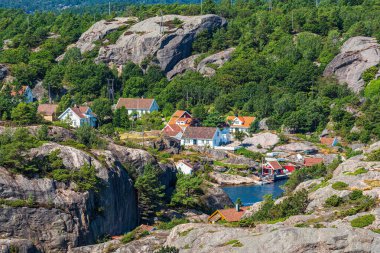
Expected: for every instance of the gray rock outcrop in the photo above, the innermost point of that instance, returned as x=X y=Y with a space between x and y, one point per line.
x=99 y=30
x=296 y=147
x=3 y=71
x=212 y=238
x=165 y=43
x=206 y=66
x=356 y=55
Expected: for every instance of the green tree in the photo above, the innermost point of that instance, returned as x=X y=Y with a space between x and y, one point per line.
x=25 y=113
x=150 y=193
x=187 y=191
x=102 y=108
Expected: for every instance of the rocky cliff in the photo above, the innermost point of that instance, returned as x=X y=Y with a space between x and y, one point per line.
x=165 y=41
x=356 y=55
x=63 y=217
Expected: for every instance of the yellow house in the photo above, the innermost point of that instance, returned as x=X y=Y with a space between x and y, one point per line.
x=48 y=111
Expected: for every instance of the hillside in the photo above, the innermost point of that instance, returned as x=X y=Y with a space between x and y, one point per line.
x=102 y=114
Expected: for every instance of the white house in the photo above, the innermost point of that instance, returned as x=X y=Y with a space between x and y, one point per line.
x=240 y=123
x=78 y=116
x=25 y=92
x=185 y=167
x=203 y=136
x=139 y=106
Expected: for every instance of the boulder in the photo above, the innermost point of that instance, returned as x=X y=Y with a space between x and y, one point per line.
x=296 y=147
x=163 y=40
x=182 y=66
x=227 y=179
x=356 y=55
x=266 y=140
x=215 y=198
x=206 y=66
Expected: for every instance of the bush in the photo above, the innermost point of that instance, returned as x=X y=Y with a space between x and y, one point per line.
x=334 y=201
x=356 y=194
x=356 y=172
x=363 y=221
x=130 y=236
x=167 y=249
x=339 y=186
x=249 y=154
x=171 y=224
x=374 y=156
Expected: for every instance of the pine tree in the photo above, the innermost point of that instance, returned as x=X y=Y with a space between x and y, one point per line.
x=150 y=193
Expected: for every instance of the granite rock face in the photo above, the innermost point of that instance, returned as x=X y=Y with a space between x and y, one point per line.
x=212 y=238
x=356 y=55
x=99 y=30
x=204 y=66
x=65 y=218
x=163 y=41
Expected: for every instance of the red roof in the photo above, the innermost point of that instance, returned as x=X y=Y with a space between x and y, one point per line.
x=80 y=110
x=180 y=115
x=47 y=109
x=232 y=215
x=246 y=121
x=135 y=103
x=172 y=130
x=275 y=165
x=327 y=141
x=290 y=167
x=206 y=133
x=21 y=91
x=310 y=161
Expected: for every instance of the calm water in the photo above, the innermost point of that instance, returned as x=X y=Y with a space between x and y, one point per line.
x=250 y=194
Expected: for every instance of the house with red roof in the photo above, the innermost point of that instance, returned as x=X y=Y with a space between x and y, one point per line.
x=25 y=92
x=329 y=141
x=311 y=161
x=78 y=116
x=204 y=136
x=273 y=168
x=239 y=123
x=137 y=106
x=48 y=111
x=229 y=215
x=177 y=124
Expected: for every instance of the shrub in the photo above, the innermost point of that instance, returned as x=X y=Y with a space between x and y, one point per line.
x=249 y=154
x=171 y=224
x=130 y=236
x=339 y=186
x=356 y=172
x=234 y=243
x=374 y=156
x=334 y=201
x=363 y=221
x=167 y=249
x=356 y=194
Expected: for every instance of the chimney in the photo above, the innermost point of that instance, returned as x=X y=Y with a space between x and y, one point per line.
x=237 y=207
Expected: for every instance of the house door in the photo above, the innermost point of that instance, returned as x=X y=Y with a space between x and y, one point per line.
x=194 y=142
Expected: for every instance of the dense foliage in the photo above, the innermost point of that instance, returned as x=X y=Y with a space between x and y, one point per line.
x=275 y=72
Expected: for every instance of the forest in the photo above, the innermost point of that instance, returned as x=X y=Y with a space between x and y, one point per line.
x=275 y=72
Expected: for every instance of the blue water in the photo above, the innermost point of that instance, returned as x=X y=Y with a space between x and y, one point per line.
x=250 y=194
